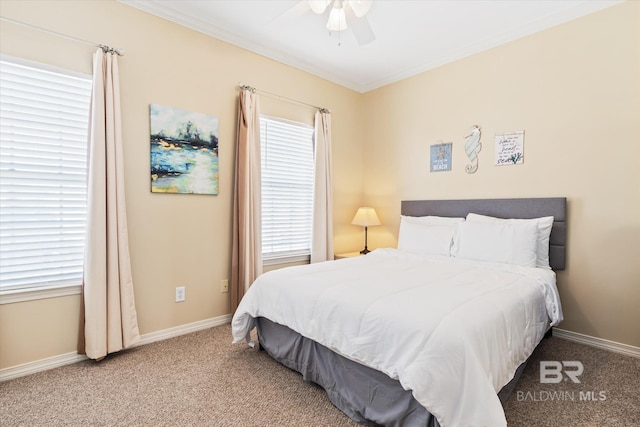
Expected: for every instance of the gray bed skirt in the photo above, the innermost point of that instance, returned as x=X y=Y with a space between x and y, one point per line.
x=365 y=395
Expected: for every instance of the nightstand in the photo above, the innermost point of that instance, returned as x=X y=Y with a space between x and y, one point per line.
x=347 y=255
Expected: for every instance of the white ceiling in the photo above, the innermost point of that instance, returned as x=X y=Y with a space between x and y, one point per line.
x=412 y=36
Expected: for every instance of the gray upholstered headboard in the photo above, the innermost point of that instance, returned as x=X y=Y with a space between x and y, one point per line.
x=504 y=208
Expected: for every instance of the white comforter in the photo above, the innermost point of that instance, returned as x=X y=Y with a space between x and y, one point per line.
x=450 y=330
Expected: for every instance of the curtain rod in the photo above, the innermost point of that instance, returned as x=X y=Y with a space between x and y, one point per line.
x=105 y=48
x=295 y=101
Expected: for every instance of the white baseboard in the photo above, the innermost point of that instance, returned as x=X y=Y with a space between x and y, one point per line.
x=73 y=357
x=40 y=365
x=613 y=346
x=183 y=329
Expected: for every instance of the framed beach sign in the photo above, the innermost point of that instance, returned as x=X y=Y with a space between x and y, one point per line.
x=440 y=157
x=509 y=148
x=184 y=151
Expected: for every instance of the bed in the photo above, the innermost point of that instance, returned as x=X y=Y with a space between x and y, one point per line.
x=404 y=338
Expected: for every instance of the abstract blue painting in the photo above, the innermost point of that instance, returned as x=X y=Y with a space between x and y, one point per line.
x=184 y=151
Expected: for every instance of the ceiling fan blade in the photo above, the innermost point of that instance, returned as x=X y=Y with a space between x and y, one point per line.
x=360 y=28
x=320 y=6
x=360 y=7
x=292 y=13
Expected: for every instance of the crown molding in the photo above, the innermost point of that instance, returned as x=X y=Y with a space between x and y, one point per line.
x=571 y=12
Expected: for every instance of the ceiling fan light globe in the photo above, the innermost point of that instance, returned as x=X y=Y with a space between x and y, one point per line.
x=319 y=6
x=360 y=7
x=337 y=20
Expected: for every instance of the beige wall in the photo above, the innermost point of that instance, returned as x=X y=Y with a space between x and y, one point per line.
x=175 y=239
x=575 y=90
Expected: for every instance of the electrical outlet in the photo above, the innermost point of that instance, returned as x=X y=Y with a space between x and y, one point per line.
x=224 y=286
x=180 y=294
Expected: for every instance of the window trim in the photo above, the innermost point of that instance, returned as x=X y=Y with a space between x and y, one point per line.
x=10 y=296
x=285 y=258
x=39 y=292
x=45 y=67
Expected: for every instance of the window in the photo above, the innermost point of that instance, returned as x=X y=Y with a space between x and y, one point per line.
x=44 y=117
x=287 y=189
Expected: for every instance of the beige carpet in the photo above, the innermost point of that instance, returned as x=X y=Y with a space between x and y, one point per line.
x=201 y=379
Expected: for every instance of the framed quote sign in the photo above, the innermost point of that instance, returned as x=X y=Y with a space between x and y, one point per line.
x=509 y=148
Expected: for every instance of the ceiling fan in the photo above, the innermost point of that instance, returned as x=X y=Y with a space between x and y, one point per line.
x=344 y=14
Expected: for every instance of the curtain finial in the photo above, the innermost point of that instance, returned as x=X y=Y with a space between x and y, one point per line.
x=107 y=49
x=247 y=87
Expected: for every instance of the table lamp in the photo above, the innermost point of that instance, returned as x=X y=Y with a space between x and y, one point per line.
x=365 y=217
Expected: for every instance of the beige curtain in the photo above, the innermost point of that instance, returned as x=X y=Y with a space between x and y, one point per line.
x=322 y=234
x=246 y=256
x=110 y=319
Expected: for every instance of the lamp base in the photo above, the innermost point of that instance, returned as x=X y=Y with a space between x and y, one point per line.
x=365 y=251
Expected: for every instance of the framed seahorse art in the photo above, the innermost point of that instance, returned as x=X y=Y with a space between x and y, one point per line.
x=472 y=148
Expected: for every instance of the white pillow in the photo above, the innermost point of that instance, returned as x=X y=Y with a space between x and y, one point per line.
x=431 y=219
x=544 y=225
x=425 y=239
x=509 y=243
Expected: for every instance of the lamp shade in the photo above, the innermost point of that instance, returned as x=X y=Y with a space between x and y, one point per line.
x=366 y=217
x=337 y=19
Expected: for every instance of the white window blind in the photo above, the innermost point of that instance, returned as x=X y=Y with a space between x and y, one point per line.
x=287 y=188
x=43 y=154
